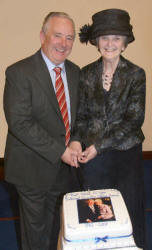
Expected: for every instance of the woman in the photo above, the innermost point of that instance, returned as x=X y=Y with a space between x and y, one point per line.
x=111 y=113
x=105 y=212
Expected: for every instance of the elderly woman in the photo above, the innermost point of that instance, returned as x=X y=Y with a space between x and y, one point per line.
x=111 y=113
x=105 y=211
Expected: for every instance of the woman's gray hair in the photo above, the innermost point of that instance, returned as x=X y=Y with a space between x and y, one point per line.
x=56 y=14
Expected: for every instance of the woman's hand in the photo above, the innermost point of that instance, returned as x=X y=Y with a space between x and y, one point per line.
x=88 y=154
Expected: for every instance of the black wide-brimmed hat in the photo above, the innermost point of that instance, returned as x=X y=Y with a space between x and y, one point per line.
x=107 y=22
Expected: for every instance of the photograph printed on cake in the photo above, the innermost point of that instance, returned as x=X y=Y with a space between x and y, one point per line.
x=95 y=210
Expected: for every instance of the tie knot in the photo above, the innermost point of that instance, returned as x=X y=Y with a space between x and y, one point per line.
x=57 y=70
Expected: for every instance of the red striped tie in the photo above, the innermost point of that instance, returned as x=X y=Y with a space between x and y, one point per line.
x=60 y=94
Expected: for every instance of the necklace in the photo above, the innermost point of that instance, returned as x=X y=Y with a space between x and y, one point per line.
x=107 y=80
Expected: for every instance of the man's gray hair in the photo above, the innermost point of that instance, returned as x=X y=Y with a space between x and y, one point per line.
x=56 y=14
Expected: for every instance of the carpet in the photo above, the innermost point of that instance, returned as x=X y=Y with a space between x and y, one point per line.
x=9 y=212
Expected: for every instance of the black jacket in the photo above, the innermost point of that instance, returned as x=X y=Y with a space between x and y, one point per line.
x=111 y=120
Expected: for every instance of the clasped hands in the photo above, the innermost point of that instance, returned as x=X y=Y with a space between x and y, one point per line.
x=74 y=155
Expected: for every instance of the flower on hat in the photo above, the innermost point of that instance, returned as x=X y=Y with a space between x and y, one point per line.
x=85 y=33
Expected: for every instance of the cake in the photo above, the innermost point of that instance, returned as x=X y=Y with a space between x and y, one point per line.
x=96 y=219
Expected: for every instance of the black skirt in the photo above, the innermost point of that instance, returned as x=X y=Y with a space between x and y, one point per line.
x=122 y=170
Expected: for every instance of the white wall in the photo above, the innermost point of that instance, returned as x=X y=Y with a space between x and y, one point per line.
x=20 y=23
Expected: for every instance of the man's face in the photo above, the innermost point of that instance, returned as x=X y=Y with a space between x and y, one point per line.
x=58 y=39
x=90 y=202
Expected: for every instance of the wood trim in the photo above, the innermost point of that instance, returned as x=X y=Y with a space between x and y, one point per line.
x=9 y=218
x=1 y=168
x=147 y=155
x=1 y=162
x=1 y=174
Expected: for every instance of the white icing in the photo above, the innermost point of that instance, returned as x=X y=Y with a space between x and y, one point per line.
x=77 y=236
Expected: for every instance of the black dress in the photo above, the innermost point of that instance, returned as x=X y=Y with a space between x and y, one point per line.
x=112 y=121
x=121 y=170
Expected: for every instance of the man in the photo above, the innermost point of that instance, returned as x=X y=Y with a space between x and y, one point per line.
x=37 y=151
x=87 y=211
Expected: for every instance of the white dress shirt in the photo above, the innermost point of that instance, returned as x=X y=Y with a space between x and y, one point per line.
x=50 y=67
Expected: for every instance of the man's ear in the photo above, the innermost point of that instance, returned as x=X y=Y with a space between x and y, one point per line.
x=42 y=37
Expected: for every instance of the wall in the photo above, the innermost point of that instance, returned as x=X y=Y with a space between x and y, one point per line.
x=20 y=23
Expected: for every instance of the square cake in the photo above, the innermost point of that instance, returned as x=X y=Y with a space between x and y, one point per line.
x=96 y=219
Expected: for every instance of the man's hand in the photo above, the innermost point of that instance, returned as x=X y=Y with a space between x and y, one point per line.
x=76 y=146
x=70 y=157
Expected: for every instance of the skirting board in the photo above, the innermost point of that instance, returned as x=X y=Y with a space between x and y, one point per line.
x=147 y=155
x=1 y=169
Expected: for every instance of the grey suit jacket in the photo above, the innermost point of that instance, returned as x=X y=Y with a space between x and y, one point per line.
x=36 y=132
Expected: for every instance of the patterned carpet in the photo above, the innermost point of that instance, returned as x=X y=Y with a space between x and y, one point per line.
x=9 y=212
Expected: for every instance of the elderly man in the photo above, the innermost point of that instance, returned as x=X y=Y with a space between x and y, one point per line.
x=40 y=101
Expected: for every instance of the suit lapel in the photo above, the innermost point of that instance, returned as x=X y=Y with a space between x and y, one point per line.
x=44 y=80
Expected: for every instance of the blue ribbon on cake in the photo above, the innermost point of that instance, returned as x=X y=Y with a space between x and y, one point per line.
x=98 y=239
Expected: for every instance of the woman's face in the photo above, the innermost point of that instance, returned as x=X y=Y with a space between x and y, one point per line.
x=111 y=46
